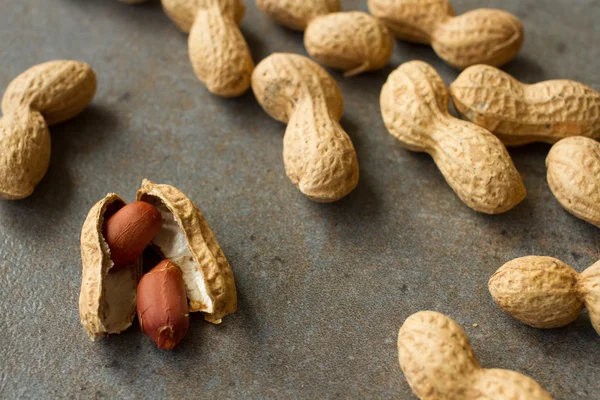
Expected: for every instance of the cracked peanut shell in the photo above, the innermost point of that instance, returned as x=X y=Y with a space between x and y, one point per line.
x=186 y=239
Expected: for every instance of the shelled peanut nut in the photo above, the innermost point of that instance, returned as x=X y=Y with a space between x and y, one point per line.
x=482 y=36
x=45 y=94
x=296 y=14
x=519 y=113
x=318 y=155
x=544 y=292
x=162 y=305
x=107 y=301
x=414 y=105
x=574 y=176
x=438 y=362
x=218 y=51
x=130 y=230
x=353 y=42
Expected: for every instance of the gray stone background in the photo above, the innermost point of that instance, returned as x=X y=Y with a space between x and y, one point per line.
x=323 y=289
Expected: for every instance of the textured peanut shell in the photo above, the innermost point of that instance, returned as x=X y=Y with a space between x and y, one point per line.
x=438 y=362
x=58 y=89
x=296 y=14
x=45 y=94
x=544 y=292
x=519 y=113
x=414 y=105
x=217 y=49
x=482 y=36
x=208 y=258
x=353 y=42
x=106 y=303
x=412 y=20
x=24 y=153
x=318 y=155
x=574 y=176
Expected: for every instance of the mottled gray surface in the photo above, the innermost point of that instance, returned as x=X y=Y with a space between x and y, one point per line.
x=322 y=289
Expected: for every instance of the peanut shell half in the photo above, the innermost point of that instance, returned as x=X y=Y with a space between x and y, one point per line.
x=107 y=298
x=187 y=240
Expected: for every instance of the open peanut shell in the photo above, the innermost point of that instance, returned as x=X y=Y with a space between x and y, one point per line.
x=187 y=240
x=107 y=298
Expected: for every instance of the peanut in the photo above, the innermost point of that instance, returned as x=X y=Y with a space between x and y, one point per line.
x=519 y=113
x=544 y=292
x=318 y=155
x=218 y=52
x=414 y=105
x=45 y=94
x=438 y=362
x=130 y=230
x=162 y=305
x=296 y=14
x=353 y=42
x=574 y=176
x=107 y=301
x=187 y=240
x=482 y=36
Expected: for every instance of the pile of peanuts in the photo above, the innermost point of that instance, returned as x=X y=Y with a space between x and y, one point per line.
x=320 y=160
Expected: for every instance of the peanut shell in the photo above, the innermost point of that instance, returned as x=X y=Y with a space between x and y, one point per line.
x=107 y=298
x=574 y=176
x=438 y=362
x=482 y=36
x=296 y=14
x=58 y=89
x=519 y=113
x=353 y=42
x=318 y=155
x=45 y=94
x=217 y=49
x=414 y=106
x=188 y=241
x=544 y=292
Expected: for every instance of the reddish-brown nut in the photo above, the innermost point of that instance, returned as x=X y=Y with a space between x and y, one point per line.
x=130 y=230
x=162 y=305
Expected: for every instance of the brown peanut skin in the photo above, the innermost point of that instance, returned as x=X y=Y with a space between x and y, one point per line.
x=438 y=362
x=574 y=176
x=519 y=113
x=481 y=36
x=544 y=292
x=352 y=41
x=130 y=230
x=162 y=305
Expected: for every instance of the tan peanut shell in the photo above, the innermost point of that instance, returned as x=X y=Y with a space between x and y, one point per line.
x=107 y=297
x=353 y=42
x=438 y=362
x=218 y=51
x=45 y=94
x=318 y=154
x=414 y=105
x=296 y=14
x=188 y=241
x=574 y=176
x=482 y=36
x=544 y=292
x=519 y=113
